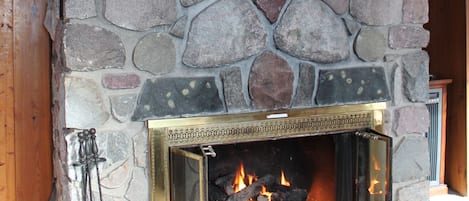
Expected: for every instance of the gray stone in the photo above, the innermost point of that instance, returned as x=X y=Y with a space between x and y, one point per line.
x=140 y=15
x=141 y=149
x=117 y=178
x=305 y=88
x=175 y=96
x=411 y=120
x=138 y=188
x=352 y=85
x=415 y=11
x=155 y=53
x=84 y=106
x=414 y=192
x=122 y=106
x=339 y=6
x=188 y=3
x=115 y=146
x=179 y=27
x=370 y=44
x=310 y=30
x=80 y=9
x=225 y=32
x=351 y=25
x=270 y=82
x=415 y=76
x=89 y=48
x=377 y=12
x=396 y=86
x=120 y=80
x=411 y=159
x=408 y=37
x=233 y=90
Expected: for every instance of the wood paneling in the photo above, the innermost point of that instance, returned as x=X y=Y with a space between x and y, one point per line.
x=32 y=102
x=25 y=118
x=447 y=50
x=7 y=148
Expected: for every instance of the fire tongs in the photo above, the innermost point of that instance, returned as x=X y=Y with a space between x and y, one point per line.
x=88 y=157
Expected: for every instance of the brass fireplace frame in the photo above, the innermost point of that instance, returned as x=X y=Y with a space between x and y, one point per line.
x=223 y=129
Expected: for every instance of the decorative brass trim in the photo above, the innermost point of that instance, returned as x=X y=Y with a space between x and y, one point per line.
x=223 y=129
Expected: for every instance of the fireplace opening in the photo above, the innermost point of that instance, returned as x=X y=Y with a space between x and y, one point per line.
x=346 y=166
x=334 y=153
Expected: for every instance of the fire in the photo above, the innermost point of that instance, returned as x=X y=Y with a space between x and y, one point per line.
x=283 y=180
x=243 y=180
x=265 y=193
x=375 y=187
x=238 y=183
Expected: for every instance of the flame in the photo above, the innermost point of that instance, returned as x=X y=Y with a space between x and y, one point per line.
x=375 y=163
x=283 y=180
x=374 y=187
x=238 y=183
x=265 y=193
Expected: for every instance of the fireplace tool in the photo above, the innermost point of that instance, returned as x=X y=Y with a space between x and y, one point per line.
x=88 y=157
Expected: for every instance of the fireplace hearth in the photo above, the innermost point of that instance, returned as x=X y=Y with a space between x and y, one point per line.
x=330 y=153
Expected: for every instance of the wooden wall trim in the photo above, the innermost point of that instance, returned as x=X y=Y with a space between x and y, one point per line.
x=467 y=92
x=33 y=129
x=7 y=138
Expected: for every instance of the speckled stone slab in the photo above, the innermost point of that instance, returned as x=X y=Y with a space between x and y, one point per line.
x=177 y=96
x=352 y=85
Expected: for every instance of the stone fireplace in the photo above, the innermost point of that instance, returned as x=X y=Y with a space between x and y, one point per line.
x=119 y=63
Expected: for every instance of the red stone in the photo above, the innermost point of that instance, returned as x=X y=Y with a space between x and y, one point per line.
x=271 y=8
x=121 y=81
x=270 y=82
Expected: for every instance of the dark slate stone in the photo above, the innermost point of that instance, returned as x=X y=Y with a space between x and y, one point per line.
x=352 y=85
x=233 y=90
x=177 y=96
x=270 y=82
x=304 y=90
x=415 y=76
x=271 y=8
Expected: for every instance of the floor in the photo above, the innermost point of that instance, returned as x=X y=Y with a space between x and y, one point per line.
x=451 y=196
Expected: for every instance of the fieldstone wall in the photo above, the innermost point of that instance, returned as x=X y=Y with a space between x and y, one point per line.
x=118 y=63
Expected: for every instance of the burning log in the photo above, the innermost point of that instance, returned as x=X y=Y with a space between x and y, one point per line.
x=290 y=195
x=225 y=183
x=216 y=194
x=252 y=190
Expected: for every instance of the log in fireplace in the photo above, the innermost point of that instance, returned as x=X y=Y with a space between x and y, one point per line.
x=336 y=153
